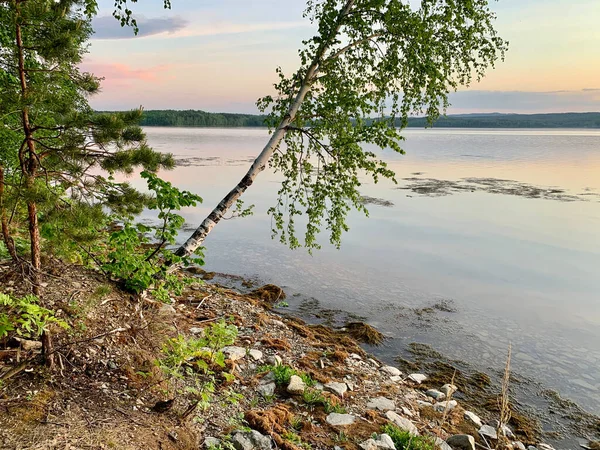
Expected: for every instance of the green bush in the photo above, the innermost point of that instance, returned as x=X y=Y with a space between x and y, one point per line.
x=25 y=316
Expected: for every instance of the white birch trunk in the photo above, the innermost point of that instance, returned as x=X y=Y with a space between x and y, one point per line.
x=260 y=163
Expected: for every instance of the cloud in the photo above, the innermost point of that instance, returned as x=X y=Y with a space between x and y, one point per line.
x=107 y=27
x=123 y=75
x=583 y=100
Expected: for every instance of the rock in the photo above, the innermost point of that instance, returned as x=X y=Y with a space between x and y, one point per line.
x=544 y=447
x=531 y=447
x=274 y=360
x=77 y=285
x=266 y=389
x=251 y=440
x=166 y=310
x=197 y=330
x=417 y=377
x=435 y=394
x=461 y=442
x=338 y=389
x=319 y=386
x=396 y=378
x=448 y=389
x=402 y=422
x=441 y=444
x=373 y=362
x=296 y=386
x=350 y=385
x=423 y=404
x=234 y=353
x=211 y=442
x=473 y=418
x=390 y=370
x=355 y=356
x=447 y=405
x=337 y=420
x=383 y=441
x=257 y=355
x=381 y=403
x=519 y=445
x=488 y=432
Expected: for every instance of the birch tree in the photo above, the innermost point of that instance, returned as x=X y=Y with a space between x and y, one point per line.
x=370 y=64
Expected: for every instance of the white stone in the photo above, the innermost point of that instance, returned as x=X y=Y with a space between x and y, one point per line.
x=448 y=389
x=197 y=330
x=390 y=370
x=337 y=388
x=488 y=432
x=296 y=385
x=257 y=355
x=443 y=406
x=519 y=445
x=396 y=379
x=544 y=447
x=417 y=377
x=441 y=444
x=336 y=419
x=274 y=360
x=381 y=403
x=435 y=394
x=402 y=422
x=234 y=353
x=473 y=418
x=423 y=404
x=251 y=440
x=211 y=442
x=382 y=442
x=266 y=389
x=461 y=442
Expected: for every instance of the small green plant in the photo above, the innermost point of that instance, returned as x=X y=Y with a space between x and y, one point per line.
x=341 y=437
x=295 y=439
x=25 y=316
x=198 y=362
x=282 y=304
x=403 y=440
x=307 y=379
x=334 y=407
x=296 y=423
x=282 y=373
x=140 y=264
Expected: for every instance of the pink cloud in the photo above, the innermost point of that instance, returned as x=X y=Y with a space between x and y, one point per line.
x=116 y=74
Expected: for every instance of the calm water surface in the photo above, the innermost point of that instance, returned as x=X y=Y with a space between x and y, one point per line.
x=515 y=269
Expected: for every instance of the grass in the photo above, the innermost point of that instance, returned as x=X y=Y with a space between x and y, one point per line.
x=403 y=440
x=283 y=373
x=313 y=397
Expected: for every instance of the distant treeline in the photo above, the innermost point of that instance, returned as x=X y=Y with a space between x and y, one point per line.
x=194 y=118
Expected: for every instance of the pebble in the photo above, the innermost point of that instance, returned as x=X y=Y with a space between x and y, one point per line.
x=417 y=377
x=196 y=330
x=519 y=445
x=435 y=394
x=402 y=422
x=488 y=432
x=473 y=418
x=448 y=389
x=336 y=419
x=296 y=385
x=443 y=406
x=274 y=360
x=234 y=353
x=461 y=442
x=390 y=370
x=257 y=355
x=381 y=403
x=544 y=447
x=337 y=388
x=166 y=310
x=266 y=389
x=396 y=378
x=381 y=442
x=441 y=444
x=251 y=440
x=423 y=404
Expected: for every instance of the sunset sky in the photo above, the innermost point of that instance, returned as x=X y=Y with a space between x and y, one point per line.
x=221 y=55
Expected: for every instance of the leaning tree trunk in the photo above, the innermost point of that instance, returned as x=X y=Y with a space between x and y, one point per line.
x=259 y=164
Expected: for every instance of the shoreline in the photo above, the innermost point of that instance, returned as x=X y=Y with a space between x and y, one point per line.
x=345 y=397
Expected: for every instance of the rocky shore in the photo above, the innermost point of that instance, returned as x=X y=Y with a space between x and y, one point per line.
x=288 y=385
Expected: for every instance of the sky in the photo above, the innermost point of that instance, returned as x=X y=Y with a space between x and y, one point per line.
x=221 y=55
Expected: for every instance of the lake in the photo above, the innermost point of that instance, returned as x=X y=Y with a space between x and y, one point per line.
x=500 y=227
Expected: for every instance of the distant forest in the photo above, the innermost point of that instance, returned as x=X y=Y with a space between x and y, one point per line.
x=194 y=118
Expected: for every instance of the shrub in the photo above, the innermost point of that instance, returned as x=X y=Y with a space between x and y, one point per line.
x=403 y=440
x=25 y=316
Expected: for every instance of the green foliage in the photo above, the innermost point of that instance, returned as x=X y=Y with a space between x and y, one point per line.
x=192 y=118
x=403 y=440
x=132 y=257
x=370 y=64
x=199 y=362
x=281 y=373
x=25 y=316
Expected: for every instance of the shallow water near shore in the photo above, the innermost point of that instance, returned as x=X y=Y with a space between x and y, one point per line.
x=501 y=226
